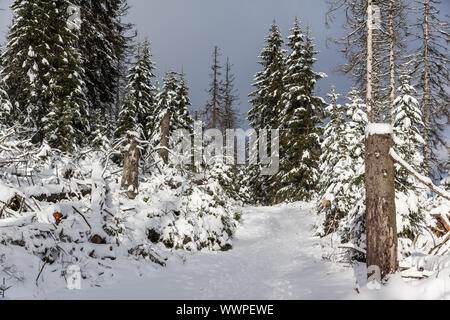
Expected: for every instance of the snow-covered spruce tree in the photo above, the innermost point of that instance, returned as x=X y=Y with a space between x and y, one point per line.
x=408 y=145
x=342 y=167
x=128 y=118
x=172 y=107
x=5 y=103
x=141 y=91
x=104 y=41
x=332 y=147
x=300 y=122
x=26 y=37
x=44 y=74
x=266 y=103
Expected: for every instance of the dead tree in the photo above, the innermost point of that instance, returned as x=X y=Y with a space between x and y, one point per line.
x=130 y=175
x=165 y=132
x=381 y=225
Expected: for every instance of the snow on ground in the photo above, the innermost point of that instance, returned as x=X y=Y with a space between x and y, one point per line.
x=275 y=256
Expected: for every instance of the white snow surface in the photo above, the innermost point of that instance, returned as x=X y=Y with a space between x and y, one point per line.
x=275 y=256
x=378 y=128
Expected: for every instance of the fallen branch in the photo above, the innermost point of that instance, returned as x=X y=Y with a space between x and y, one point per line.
x=353 y=248
x=439 y=246
x=57 y=197
x=76 y=210
x=426 y=181
x=42 y=269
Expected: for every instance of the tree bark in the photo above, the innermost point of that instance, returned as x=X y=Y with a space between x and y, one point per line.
x=381 y=226
x=369 y=61
x=130 y=175
x=426 y=112
x=165 y=132
x=391 y=63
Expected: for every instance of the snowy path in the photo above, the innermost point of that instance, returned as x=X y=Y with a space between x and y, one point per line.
x=274 y=257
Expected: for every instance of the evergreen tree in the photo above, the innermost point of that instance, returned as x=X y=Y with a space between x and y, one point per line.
x=5 y=103
x=342 y=169
x=267 y=105
x=174 y=100
x=333 y=142
x=408 y=145
x=139 y=110
x=128 y=118
x=301 y=118
x=183 y=101
x=44 y=74
x=266 y=99
x=104 y=41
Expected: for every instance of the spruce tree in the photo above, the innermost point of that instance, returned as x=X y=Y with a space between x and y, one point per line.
x=5 y=103
x=301 y=118
x=173 y=100
x=408 y=145
x=139 y=110
x=266 y=99
x=267 y=105
x=44 y=74
x=342 y=169
x=104 y=42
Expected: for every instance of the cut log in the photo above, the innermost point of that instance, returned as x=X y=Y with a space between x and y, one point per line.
x=58 y=197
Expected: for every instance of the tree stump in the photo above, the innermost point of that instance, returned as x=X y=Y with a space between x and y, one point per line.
x=381 y=225
x=130 y=174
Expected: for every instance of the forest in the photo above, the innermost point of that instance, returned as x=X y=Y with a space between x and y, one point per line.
x=109 y=175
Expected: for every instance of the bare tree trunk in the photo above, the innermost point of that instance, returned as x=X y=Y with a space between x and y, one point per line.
x=381 y=226
x=215 y=88
x=369 y=60
x=391 y=63
x=165 y=132
x=426 y=111
x=130 y=175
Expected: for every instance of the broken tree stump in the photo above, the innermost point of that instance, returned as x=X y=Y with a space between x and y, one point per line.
x=381 y=225
x=130 y=174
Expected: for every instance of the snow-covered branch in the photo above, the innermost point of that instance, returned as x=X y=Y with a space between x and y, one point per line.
x=426 y=181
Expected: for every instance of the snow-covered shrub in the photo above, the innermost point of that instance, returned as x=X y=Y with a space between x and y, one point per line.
x=66 y=209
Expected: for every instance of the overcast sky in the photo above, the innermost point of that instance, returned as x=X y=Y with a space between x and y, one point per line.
x=183 y=34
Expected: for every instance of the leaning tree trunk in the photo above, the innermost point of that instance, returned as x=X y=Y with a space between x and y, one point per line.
x=165 y=132
x=130 y=175
x=381 y=226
